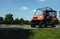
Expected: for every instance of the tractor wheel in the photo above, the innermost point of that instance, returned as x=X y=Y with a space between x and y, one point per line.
x=33 y=25
x=45 y=26
x=53 y=25
x=40 y=24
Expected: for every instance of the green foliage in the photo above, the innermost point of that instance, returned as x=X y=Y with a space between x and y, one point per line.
x=21 y=20
x=27 y=22
x=9 y=18
x=1 y=19
x=45 y=33
x=17 y=21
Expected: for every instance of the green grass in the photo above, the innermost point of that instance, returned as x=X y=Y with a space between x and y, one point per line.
x=45 y=33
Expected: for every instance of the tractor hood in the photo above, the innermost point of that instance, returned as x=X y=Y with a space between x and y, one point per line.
x=38 y=17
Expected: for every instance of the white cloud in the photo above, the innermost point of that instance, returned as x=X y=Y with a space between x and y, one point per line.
x=41 y=0
x=24 y=8
x=34 y=10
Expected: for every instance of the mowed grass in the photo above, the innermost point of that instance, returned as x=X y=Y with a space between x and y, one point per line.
x=45 y=33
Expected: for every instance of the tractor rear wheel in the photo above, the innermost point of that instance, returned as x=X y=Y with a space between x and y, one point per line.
x=53 y=25
x=45 y=26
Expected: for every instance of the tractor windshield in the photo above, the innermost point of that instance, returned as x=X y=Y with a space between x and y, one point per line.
x=38 y=12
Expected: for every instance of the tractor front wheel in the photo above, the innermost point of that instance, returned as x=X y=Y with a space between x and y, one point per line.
x=53 y=24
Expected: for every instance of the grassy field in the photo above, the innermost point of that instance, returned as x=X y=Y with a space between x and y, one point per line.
x=46 y=33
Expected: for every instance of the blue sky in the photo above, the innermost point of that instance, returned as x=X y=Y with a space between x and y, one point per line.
x=25 y=8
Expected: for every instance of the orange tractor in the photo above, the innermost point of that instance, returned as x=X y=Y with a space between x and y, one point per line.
x=47 y=17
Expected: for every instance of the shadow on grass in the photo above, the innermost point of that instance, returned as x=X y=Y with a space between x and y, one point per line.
x=10 y=33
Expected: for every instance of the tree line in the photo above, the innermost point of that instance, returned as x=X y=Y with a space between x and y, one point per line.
x=10 y=20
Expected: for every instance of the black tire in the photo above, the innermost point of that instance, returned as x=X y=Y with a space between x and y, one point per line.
x=53 y=26
x=45 y=26
x=40 y=24
x=33 y=25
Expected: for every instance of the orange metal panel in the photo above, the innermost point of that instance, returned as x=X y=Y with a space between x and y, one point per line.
x=38 y=17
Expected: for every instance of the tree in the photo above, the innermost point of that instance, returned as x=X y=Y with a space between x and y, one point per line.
x=22 y=21
x=17 y=21
x=26 y=22
x=1 y=20
x=8 y=18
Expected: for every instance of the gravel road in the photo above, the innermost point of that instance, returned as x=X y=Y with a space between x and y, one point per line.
x=21 y=26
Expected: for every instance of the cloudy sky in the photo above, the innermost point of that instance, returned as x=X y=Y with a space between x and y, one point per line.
x=25 y=8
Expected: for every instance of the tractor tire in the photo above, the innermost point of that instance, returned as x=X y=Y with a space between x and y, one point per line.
x=53 y=26
x=40 y=24
x=45 y=26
